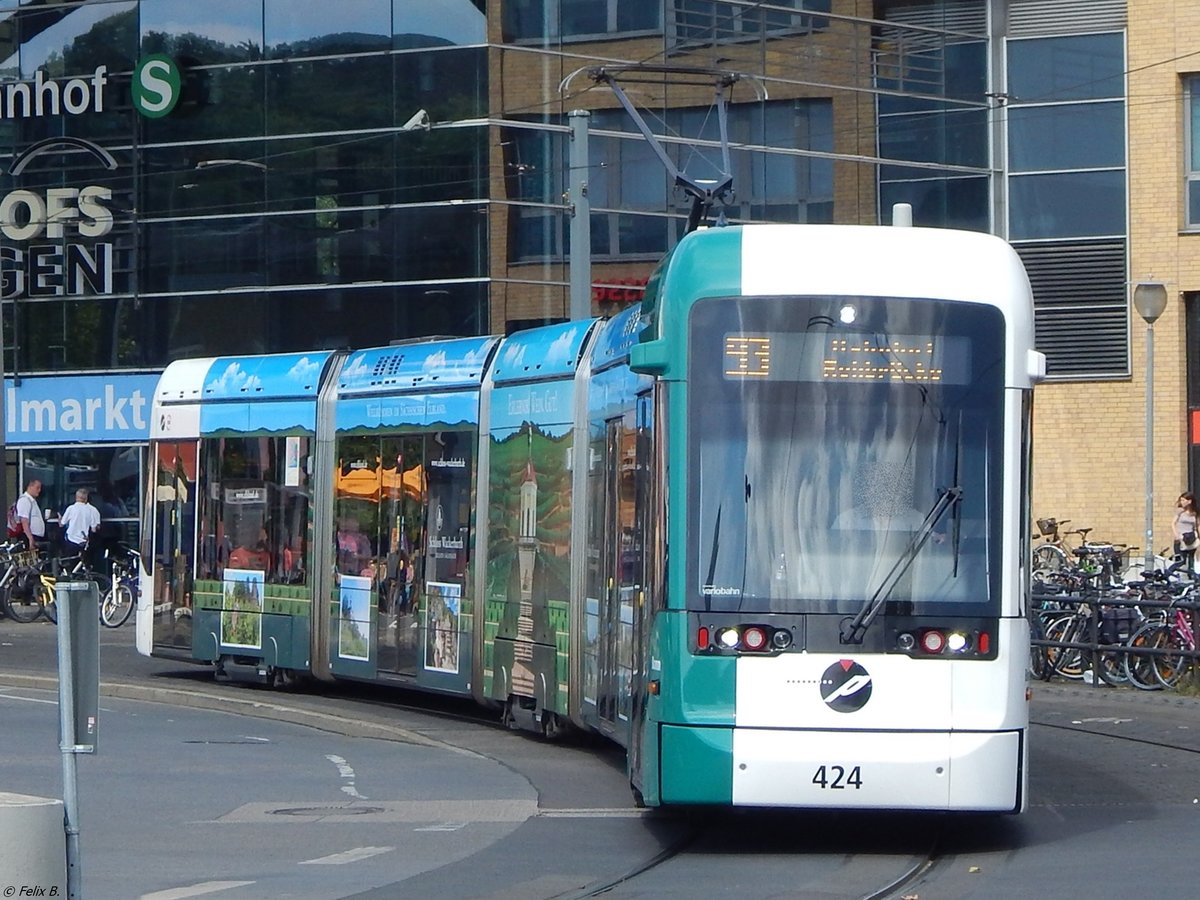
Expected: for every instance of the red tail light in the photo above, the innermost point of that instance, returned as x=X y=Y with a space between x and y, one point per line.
x=933 y=641
x=702 y=638
x=754 y=638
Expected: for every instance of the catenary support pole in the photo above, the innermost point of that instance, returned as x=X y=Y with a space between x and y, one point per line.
x=581 y=217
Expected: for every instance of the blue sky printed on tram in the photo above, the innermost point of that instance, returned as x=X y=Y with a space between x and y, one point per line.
x=541 y=352
x=442 y=364
x=412 y=410
x=283 y=375
x=617 y=335
x=611 y=391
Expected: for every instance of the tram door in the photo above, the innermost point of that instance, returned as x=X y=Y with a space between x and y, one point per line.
x=174 y=542
x=398 y=542
x=621 y=573
x=644 y=602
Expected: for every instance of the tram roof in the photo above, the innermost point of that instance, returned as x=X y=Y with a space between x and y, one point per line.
x=277 y=376
x=432 y=365
x=551 y=351
x=615 y=336
x=876 y=260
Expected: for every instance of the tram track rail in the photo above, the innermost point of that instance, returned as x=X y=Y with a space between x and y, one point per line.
x=917 y=867
x=919 y=870
x=1128 y=738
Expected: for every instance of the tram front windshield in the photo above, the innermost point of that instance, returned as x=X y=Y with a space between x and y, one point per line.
x=845 y=450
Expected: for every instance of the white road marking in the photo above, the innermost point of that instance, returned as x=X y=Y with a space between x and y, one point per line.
x=195 y=890
x=28 y=699
x=347 y=856
x=347 y=772
x=1103 y=720
x=618 y=813
x=445 y=826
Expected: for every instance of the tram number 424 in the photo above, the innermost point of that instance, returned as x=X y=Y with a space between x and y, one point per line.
x=837 y=778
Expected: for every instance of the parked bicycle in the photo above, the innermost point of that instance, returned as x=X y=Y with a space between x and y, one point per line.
x=10 y=563
x=31 y=578
x=1164 y=648
x=120 y=599
x=1054 y=554
x=29 y=593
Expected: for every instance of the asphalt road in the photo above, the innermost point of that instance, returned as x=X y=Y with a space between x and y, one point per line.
x=235 y=792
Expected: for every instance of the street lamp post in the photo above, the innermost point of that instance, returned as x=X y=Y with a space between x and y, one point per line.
x=1150 y=299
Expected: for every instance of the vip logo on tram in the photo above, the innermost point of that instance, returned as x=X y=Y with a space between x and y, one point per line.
x=846 y=686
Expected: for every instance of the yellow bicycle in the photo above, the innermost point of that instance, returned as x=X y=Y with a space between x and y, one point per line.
x=30 y=591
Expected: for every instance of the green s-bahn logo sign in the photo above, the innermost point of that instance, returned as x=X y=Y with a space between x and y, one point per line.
x=156 y=85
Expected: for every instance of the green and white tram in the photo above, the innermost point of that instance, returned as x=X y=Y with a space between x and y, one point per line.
x=767 y=531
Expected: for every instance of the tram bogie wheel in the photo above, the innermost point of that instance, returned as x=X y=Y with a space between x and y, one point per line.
x=506 y=716
x=552 y=726
x=284 y=679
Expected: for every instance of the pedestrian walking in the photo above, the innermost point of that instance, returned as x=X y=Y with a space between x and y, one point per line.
x=79 y=522
x=1184 y=528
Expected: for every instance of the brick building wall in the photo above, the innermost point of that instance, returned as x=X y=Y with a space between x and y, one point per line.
x=1089 y=437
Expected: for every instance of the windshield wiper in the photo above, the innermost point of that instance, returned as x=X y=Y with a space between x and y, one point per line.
x=852 y=630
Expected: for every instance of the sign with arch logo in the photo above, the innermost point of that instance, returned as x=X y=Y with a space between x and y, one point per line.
x=156 y=85
x=846 y=686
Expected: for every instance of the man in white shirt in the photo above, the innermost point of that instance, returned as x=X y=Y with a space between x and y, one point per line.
x=79 y=522
x=30 y=514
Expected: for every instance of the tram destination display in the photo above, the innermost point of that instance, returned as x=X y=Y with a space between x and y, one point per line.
x=846 y=357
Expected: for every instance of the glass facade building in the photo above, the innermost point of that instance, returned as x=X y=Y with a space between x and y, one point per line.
x=288 y=179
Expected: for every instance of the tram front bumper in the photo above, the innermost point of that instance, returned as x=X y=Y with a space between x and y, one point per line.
x=979 y=771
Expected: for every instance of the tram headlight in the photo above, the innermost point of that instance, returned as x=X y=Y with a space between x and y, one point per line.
x=728 y=638
x=956 y=642
x=906 y=642
x=781 y=639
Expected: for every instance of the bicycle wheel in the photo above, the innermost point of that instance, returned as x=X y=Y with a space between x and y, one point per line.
x=1039 y=665
x=23 y=607
x=1048 y=558
x=1112 y=667
x=116 y=605
x=1139 y=669
x=45 y=595
x=1169 y=667
x=1065 y=661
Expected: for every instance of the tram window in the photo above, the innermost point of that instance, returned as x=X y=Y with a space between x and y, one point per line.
x=255 y=507
x=356 y=507
x=402 y=512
